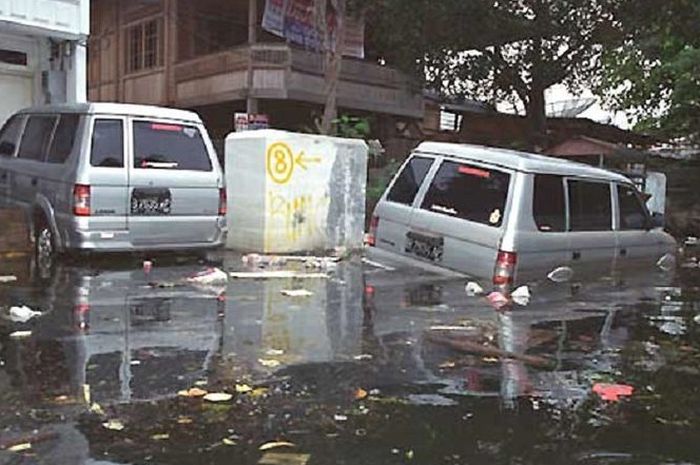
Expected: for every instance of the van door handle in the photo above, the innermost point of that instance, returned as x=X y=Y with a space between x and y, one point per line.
x=3 y=176
x=576 y=255
x=34 y=181
x=623 y=252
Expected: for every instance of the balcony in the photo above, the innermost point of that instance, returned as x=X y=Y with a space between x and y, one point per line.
x=283 y=72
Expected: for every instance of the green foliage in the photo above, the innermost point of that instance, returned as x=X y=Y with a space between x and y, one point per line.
x=352 y=127
x=495 y=50
x=655 y=73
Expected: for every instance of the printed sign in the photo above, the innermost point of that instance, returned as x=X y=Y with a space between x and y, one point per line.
x=249 y=122
x=294 y=20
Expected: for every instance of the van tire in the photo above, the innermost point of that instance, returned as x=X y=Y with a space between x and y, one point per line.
x=44 y=241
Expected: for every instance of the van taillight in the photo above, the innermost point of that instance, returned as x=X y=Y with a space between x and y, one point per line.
x=372 y=234
x=222 y=202
x=81 y=200
x=504 y=271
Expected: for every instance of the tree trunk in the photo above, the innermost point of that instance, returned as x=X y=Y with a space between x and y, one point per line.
x=333 y=58
x=536 y=116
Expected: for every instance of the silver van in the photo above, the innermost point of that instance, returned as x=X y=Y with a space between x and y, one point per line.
x=113 y=177
x=511 y=217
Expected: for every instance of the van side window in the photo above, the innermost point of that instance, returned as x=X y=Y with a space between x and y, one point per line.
x=590 y=206
x=107 y=143
x=468 y=192
x=548 y=205
x=9 y=135
x=169 y=146
x=63 y=138
x=36 y=137
x=633 y=215
x=407 y=184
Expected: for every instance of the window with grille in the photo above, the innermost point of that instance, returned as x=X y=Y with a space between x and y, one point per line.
x=143 y=48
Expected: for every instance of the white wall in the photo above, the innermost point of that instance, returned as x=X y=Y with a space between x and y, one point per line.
x=31 y=27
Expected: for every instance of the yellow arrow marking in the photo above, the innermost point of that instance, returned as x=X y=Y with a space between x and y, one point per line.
x=302 y=160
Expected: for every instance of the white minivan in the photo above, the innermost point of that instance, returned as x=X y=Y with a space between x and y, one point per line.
x=514 y=217
x=107 y=177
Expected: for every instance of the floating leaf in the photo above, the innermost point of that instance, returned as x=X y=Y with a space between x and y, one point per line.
x=115 y=425
x=20 y=447
x=276 y=458
x=269 y=363
x=160 y=437
x=218 y=397
x=20 y=334
x=183 y=420
x=192 y=392
x=360 y=394
x=276 y=444
x=243 y=388
x=228 y=442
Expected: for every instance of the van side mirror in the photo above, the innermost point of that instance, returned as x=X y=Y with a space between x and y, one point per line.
x=657 y=220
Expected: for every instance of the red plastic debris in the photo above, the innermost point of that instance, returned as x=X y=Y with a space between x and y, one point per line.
x=497 y=300
x=612 y=392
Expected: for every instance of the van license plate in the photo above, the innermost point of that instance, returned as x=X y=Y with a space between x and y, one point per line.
x=428 y=247
x=151 y=201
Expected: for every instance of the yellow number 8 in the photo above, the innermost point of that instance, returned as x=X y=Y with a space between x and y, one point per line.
x=280 y=162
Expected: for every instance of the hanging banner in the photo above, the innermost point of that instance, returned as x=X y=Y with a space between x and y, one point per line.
x=294 y=20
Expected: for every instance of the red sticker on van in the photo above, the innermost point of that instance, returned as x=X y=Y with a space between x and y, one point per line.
x=166 y=127
x=474 y=172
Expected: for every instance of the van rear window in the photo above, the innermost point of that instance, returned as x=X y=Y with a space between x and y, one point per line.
x=468 y=192
x=169 y=146
x=407 y=184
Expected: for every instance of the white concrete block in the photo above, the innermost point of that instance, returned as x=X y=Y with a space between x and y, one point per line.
x=290 y=192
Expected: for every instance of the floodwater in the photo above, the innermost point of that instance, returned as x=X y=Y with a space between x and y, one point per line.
x=372 y=366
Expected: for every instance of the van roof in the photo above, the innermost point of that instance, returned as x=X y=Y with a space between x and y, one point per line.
x=520 y=161
x=149 y=111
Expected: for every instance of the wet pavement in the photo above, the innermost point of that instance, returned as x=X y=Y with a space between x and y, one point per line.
x=374 y=365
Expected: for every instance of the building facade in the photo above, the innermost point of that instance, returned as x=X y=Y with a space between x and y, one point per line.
x=213 y=57
x=42 y=52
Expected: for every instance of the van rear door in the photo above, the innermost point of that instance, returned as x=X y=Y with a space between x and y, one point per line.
x=394 y=211
x=104 y=173
x=173 y=185
x=460 y=221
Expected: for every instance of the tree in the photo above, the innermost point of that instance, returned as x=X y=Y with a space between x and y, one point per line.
x=503 y=50
x=655 y=72
x=332 y=38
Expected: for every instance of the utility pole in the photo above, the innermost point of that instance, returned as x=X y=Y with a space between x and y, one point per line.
x=251 y=102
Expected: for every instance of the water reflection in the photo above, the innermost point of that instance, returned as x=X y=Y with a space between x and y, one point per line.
x=117 y=336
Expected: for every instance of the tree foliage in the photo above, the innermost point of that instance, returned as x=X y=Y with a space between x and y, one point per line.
x=496 y=50
x=655 y=73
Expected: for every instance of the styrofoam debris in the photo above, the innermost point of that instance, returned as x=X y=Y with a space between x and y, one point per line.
x=697 y=319
x=209 y=276
x=374 y=264
x=22 y=314
x=473 y=289
x=8 y=279
x=277 y=274
x=296 y=293
x=561 y=275
x=521 y=295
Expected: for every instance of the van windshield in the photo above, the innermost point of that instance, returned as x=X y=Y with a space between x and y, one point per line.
x=468 y=192
x=169 y=146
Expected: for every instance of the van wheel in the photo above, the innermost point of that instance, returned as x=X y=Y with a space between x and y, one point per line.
x=44 y=245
